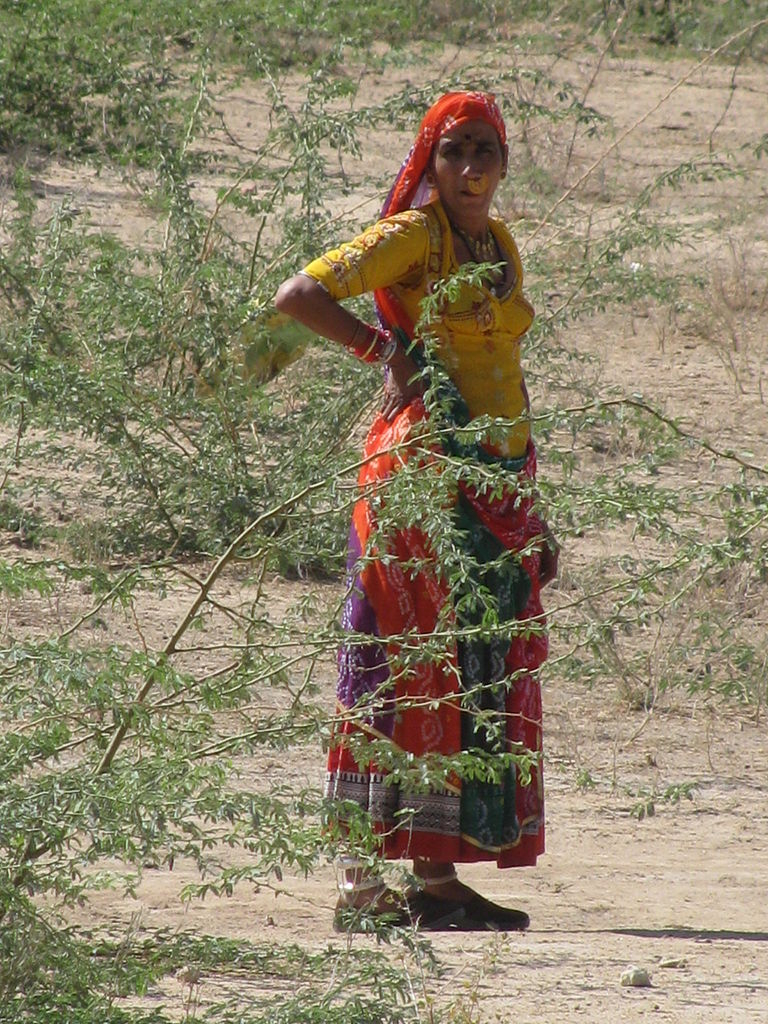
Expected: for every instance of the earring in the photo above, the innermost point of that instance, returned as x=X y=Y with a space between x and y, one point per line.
x=430 y=180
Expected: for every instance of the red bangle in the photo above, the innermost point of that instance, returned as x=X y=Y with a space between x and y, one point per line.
x=372 y=345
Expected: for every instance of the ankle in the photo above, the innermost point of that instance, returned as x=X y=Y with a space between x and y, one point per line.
x=432 y=874
x=435 y=881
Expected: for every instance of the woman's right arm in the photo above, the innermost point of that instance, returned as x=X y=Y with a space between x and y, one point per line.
x=307 y=301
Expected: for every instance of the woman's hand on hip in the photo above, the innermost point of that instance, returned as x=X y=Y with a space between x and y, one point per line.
x=403 y=383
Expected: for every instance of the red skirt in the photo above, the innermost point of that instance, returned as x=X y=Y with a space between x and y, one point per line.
x=393 y=702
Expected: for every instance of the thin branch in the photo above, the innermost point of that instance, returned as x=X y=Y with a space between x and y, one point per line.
x=98 y=606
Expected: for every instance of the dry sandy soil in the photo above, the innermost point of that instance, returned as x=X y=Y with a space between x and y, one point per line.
x=682 y=892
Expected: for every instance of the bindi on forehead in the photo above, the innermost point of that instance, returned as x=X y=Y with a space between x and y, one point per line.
x=470 y=133
x=464 y=137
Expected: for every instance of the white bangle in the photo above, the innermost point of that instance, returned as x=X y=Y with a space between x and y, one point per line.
x=388 y=348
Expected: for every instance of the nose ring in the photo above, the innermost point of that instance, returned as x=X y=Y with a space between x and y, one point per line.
x=477 y=185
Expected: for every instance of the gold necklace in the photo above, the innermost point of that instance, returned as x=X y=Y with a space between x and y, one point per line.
x=482 y=250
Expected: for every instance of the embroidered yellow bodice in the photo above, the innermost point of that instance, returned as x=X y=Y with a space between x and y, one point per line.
x=478 y=333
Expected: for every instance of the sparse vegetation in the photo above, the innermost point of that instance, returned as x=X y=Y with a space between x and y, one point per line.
x=167 y=437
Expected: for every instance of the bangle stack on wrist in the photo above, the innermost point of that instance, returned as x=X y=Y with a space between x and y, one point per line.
x=371 y=344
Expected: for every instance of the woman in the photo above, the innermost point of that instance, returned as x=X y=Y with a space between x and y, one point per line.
x=436 y=220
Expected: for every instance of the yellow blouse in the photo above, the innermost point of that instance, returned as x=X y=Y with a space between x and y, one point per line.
x=478 y=333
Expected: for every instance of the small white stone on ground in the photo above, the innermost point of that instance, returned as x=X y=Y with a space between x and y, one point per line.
x=636 y=977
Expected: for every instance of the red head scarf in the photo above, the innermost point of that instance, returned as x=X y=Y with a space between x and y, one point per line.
x=451 y=110
x=410 y=189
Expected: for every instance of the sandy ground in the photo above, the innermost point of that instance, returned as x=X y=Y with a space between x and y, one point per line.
x=683 y=891
x=680 y=893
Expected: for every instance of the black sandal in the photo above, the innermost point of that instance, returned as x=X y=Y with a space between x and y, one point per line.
x=418 y=910
x=485 y=915
x=432 y=914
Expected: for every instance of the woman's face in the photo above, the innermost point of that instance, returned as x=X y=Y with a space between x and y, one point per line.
x=467 y=163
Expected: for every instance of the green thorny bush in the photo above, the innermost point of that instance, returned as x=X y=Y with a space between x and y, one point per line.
x=97 y=78
x=149 y=375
